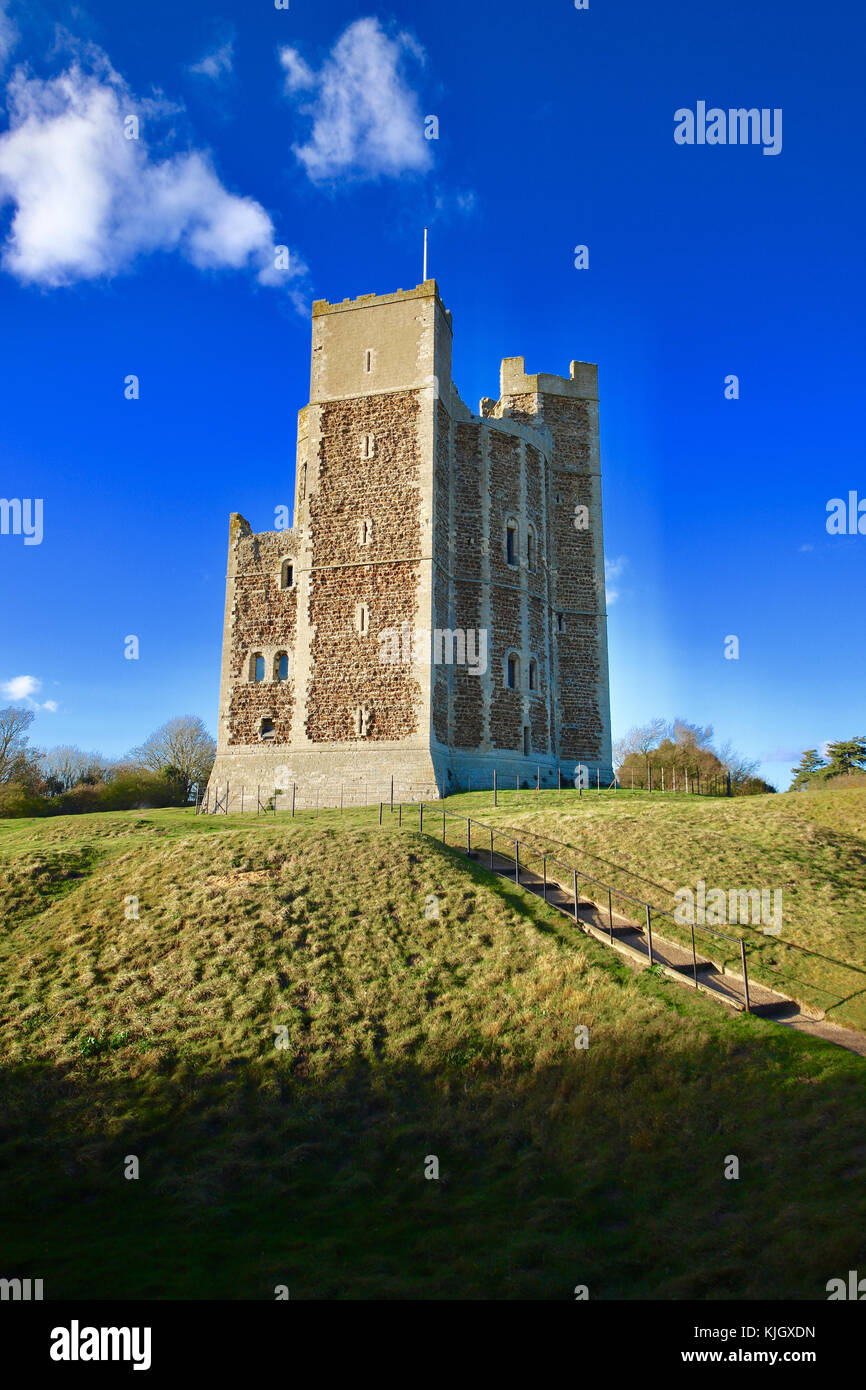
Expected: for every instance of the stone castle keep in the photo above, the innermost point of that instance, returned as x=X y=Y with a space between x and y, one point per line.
x=437 y=609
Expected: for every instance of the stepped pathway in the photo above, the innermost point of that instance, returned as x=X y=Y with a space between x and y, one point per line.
x=676 y=961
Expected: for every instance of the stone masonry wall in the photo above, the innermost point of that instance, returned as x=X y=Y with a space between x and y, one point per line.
x=263 y=621
x=381 y=572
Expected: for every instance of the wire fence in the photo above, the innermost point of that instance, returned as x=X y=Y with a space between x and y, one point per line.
x=332 y=794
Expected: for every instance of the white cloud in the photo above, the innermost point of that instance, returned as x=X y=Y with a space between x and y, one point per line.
x=88 y=202
x=215 y=64
x=20 y=687
x=366 y=120
x=8 y=33
x=612 y=571
x=24 y=688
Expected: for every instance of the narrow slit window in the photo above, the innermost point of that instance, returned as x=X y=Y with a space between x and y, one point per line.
x=526 y=744
x=511 y=543
x=368 y=446
x=533 y=675
x=368 y=360
x=531 y=550
x=287 y=575
x=512 y=672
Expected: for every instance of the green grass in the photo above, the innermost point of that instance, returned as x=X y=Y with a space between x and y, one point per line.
x=407 y=1036
x=811 y=846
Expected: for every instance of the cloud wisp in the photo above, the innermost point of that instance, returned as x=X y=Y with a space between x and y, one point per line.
x=219 y=63
x=24 y=688
x=366 y=121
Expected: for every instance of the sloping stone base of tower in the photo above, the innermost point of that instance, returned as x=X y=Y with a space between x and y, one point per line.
x=363 y=776
x=351 y=775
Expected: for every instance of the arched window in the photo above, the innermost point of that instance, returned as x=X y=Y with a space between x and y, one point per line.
x=531 y=549
x=267 y=729
x=281 y=666
x=511 y=543
x=257 y=667
x=512 y=671
x=533 y=675
x=287 y=574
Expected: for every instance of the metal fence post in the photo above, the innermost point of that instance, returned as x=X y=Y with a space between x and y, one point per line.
x=495 y=791
x=468 y=838
x=574 y=891
x=745 y=976
x=694 y=955
x=400 y=814
x=544 y=871
x=421 y=815
x=491 y=851
x=649 y=933
x=610 y=913
x=444 y=841
x=516 y=861
x=380 y=812
x=294 y=789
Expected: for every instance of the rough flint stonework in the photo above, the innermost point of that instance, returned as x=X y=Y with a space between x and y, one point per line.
x=403 y=499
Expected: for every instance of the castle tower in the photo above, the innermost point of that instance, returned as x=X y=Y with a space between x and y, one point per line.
x=437 y=608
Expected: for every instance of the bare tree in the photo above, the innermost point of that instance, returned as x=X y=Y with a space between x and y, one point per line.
x=687 y=735
x=182 y=747
x=67 y=766
x=14 y=747
x=641 y=739
x=739 y=767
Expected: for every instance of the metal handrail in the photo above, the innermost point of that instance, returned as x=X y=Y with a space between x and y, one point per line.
x=649 y=909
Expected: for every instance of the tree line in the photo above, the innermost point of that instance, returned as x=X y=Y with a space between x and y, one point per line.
x=844 y=763
x=684 y=755
x=162 y=771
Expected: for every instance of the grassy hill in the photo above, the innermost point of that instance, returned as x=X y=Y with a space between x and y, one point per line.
x=810 y=845
x=408 y=1035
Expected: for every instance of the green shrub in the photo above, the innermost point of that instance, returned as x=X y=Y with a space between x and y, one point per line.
x=16 y=801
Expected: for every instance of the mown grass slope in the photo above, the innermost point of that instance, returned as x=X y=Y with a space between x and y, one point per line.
x=811 y=846
x=408 y=1034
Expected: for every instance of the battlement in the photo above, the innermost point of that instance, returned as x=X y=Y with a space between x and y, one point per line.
x=429 y=289
x=581 y=383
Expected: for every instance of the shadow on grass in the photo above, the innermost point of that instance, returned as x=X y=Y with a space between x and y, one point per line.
x=607 y=1171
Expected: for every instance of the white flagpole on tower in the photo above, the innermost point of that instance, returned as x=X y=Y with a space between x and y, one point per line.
x=425 y=254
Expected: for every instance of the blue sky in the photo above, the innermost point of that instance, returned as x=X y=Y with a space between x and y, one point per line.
x=304 y=127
